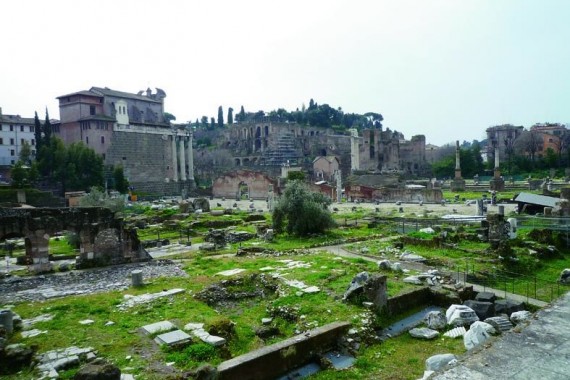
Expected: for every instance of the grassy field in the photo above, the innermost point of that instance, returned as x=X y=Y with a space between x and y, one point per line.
x=122 y=339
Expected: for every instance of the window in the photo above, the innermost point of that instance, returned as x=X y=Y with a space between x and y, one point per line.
x=102 y=139
x=0 y=127
x=12 y=152
x=103 y=156
x=32 y=128
x=33 y=142
x=33 y=152
x=12 y=142
x=87 y=140
x=92 y=110
x=13 y=162
x=21 y=128
x=1 y=141
x=22 y=141
x=11 y=128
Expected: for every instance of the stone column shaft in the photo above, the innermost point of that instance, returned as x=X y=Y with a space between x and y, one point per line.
x=182 y=158
x=190 y=158
x=174 y=161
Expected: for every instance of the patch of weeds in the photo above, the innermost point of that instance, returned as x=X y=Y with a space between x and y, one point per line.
x=190 y=356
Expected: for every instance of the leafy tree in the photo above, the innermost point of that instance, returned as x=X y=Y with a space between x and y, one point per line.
x=220 y=117
x=204 y=122
x=230 y=116
x=168 y=117
x=19 y=175
x=98 y=198
x=296 y=175
x=121 y=183
x=212 y=123
x=82 y=168
x=301 y=212
x=26 y=153
x=38 y=132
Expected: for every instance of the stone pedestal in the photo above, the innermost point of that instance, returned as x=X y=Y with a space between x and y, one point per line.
x=497 y=184
x=137 y=278
x=7 y=321
x=458 y=184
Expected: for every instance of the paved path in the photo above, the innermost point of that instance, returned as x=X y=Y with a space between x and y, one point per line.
x=540 y=350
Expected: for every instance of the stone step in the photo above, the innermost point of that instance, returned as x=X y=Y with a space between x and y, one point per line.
x=456 y=332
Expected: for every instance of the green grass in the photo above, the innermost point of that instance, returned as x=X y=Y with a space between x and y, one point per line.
x=122 y=339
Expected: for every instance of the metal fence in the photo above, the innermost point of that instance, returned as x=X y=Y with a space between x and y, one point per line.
x=505 y=282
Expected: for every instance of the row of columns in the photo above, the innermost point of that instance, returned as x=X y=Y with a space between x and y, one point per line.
x=182 y=156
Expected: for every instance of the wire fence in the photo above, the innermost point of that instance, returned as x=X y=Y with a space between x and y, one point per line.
x=508 y=282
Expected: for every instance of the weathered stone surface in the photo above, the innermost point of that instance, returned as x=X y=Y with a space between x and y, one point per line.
x=265 y=332
x=370 y=288
x=413 y=280
x=384 y=264
x=519 y=317
x=456 y=332
x=201 y=204
x=131 y=300
x=460 y=315
x=15 y=357
x=438 y=362
x=508 y=306
x=230 y=272
x=483 y=310
x=137 y=278
x=501 y=324
x=157 y=327
x=485 y=297
x=173 y=338
x=476 y=335
x=6 y=320
x=424 y=333
x=436 y=320
x=407 y=256
x=103 y=371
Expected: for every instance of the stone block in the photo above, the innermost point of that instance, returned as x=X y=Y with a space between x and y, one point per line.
x=424 y=333
x=157 y=327
x=483 y=310
x=508 y=306
x=173 y=338
x=485 y=297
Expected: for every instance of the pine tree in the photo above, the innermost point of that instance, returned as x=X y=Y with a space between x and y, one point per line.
x=220 y=117
x=230 y=116
x=47 y=129
x=242 y=114
x=38 y=133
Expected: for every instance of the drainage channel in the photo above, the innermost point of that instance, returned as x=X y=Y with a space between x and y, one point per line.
x=338 y=362
x=408 y=322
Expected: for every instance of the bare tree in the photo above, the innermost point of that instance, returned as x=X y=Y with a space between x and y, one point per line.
x=528 y=144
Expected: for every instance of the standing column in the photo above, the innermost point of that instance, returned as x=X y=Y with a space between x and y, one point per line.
x=190 y=158
x=174 y=162
x=354 y=150
x=182 y=158
x=497 y=167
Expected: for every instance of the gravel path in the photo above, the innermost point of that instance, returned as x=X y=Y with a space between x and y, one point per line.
x=16 y=289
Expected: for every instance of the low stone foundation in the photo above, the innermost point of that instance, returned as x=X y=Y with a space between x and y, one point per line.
x=279 y=358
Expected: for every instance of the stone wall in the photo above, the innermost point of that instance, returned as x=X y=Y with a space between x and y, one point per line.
x=258 y=184
x=272 y=361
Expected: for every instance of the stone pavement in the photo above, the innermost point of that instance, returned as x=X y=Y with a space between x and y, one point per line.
x=540 y=350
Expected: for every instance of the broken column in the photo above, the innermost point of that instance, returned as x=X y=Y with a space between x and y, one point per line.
x=497 y=183
x=458 y=183
x=190 y=158
x=137 y=278
x=338 y=176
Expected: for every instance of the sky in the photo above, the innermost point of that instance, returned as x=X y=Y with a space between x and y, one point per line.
x=447 y=69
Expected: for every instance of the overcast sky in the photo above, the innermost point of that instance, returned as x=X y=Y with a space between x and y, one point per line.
x=445 y=69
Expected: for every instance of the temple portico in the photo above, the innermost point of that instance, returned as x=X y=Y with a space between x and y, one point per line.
x=182 y=157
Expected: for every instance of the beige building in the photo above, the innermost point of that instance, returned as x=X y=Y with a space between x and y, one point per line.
x=324 y=168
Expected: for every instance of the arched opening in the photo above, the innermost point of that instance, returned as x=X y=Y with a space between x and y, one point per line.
x=323 y=152
x=266 y=130
x=257 y=132
x=245 y=161
x=372 y=151
x=257 y=145
x=238 y=162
